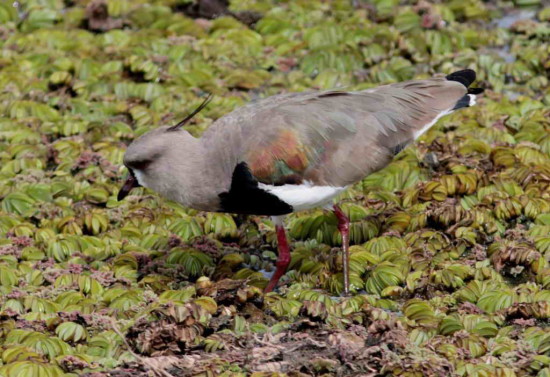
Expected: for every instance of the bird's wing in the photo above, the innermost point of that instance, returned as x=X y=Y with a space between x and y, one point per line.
x=334 y=137
x=296 y=136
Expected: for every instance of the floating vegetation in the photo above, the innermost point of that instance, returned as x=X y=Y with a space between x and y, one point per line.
x=450 y=260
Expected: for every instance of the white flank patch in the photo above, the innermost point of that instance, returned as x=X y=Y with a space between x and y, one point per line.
x=419 y=133
x=304 y=196
x=472 y=100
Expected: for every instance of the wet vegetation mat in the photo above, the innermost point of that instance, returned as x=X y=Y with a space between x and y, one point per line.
x=450 y=265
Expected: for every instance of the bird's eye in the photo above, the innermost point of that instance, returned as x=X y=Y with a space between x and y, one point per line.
x=140 y=165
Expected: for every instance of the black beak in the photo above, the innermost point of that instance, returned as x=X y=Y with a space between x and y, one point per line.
x=130 y=183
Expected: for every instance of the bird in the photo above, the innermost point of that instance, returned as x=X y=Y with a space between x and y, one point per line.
x=292 y=152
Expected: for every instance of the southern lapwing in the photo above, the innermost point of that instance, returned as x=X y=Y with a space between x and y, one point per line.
x=292 y=152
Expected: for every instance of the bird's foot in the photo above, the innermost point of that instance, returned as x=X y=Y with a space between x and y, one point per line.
x=343 y=227
x=283 y=259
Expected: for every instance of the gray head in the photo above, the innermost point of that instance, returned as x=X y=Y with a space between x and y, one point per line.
x=155 y=158
x=152 y=158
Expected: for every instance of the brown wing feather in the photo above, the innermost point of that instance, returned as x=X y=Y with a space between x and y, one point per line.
x=330 y=138
x=283 y=159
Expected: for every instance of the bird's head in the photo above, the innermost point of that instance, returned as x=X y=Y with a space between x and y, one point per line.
x=145 y=156
x=153 y=157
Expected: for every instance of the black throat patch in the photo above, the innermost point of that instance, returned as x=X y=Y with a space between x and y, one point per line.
x=247 y=198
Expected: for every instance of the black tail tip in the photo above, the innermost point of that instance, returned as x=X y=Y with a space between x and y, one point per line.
x=466 y=77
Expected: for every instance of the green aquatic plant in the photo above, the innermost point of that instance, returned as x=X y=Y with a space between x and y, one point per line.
x=450 y=269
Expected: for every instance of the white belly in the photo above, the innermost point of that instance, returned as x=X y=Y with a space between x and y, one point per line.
x=304 y=196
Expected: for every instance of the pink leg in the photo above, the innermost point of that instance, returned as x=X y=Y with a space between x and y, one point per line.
x=282 y=261
x=343 y=227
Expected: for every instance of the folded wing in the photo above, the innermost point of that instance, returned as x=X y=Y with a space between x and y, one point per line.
x=332 y=138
